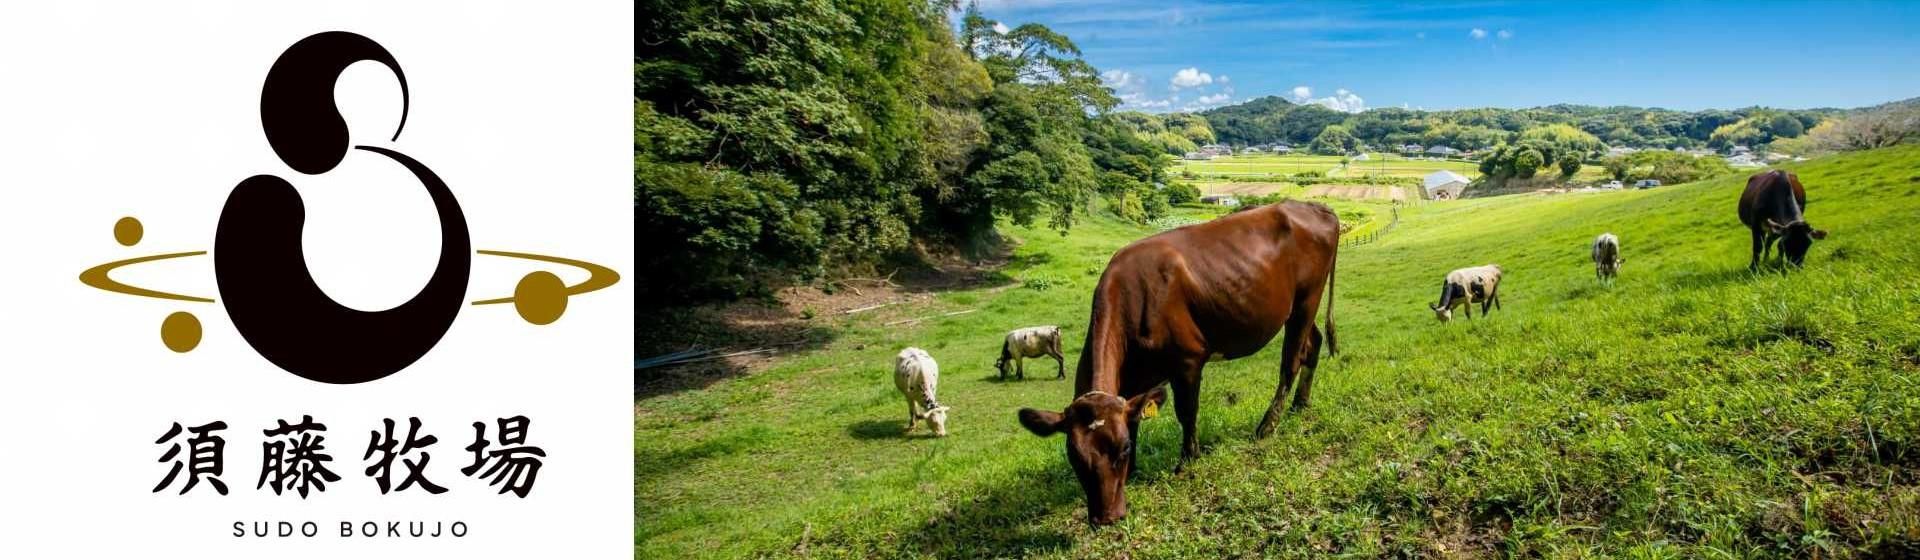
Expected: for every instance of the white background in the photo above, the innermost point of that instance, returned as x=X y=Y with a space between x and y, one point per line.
x=151 y=110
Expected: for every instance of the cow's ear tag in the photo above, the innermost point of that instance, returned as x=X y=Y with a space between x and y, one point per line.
x=1152 y=410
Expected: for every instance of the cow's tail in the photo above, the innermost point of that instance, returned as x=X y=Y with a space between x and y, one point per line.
x=1333 y=270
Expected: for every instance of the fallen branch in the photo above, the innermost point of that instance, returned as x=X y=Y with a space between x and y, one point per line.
x=670 y=358
x=919 y=319
x=870 y=307
x=716 y=357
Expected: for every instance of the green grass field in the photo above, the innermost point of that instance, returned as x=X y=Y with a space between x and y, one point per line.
x=1693 y=410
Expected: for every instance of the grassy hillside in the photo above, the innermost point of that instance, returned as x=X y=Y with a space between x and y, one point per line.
x=1693 y=410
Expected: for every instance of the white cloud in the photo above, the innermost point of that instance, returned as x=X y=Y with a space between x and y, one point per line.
x=1223 y=78
x=1477 y=33
x=1190 y=77
x=1000 y=28
x=1122 y=79
x=1343 y=101
x=1504 y=34
x=1210 y=100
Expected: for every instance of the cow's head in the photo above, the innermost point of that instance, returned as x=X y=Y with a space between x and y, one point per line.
x=1099 y=428
x=936 y=415
x=1444 y=314
x=1795 y=239
x=1001 y=364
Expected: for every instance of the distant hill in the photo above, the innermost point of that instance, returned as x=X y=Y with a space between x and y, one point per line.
x=1271 y=119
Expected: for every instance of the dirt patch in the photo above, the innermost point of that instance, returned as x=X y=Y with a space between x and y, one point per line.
x=794 y=319
x=1358 y=192
x=1246 y=189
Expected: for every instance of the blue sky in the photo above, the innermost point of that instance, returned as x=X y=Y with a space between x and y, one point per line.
x=1170 y=55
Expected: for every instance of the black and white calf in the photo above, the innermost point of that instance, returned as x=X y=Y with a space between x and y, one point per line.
x=1031 y=342
x=917 y=376
x=1606 y=257
x=1468 y=286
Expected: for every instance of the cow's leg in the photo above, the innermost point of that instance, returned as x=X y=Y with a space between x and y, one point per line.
x=1289 y=350
x=1309 y=361
x=913 y=415
x=1059 y=361
x=1755 y=263
x=1186 y=406
x=1468 y=309
x=1020 y=367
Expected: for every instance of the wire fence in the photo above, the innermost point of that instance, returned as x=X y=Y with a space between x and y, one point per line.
x=1374 y=235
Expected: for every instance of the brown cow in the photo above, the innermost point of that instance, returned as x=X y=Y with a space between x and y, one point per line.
x=1772 y=209
x=1168 y=303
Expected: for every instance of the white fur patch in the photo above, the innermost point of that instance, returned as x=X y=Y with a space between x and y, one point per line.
x=1097 y=424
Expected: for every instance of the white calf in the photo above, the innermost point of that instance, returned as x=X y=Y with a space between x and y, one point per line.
x=1468 y=286
x=1606 y=257
x=1031 y=342
x=916 y=375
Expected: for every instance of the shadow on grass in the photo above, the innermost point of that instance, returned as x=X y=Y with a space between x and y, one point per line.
x=650 y=467
x=737 y=326
x=885 y=429
x=1000 y=521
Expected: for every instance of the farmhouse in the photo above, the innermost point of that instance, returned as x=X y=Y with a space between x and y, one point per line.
x=1444 y=185
x=1410 y=149
x=1442 y=151
x=1197 y=156
x=1282 y=149
x=1745 y=160
x=1220 y=199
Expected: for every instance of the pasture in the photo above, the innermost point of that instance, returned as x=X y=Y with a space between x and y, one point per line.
x=1694 y=409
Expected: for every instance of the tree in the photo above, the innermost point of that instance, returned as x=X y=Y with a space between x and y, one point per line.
x=1333 y=140
x=1785 y=126
x=1878 y=128
x=1666 y=166
x=1526 y=161
x=1182 y=193
x=1569 y=166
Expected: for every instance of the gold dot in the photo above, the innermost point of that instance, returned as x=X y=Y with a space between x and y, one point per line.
x=540 y=297
x=127 y=231
x=180 y=331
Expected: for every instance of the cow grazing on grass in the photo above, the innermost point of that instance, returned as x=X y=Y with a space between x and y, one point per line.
x=1468 y=286
x=1773 y=209
x=1031 y=342
x=1606 y=257
x=916 y=376
x=1168 y=303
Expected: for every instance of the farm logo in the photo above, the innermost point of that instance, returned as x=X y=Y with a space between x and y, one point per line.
x=261 y=269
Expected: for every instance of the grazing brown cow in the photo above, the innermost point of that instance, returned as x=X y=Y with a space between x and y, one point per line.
x=1772 y=208
x=1168 y=303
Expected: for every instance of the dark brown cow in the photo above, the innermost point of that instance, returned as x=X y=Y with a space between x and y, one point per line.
x=1168 y=303
x=1772 y=208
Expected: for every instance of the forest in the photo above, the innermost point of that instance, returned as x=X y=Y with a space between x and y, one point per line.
x=780 y=140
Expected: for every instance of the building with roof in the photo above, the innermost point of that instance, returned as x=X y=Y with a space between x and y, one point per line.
x=1444 y=185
